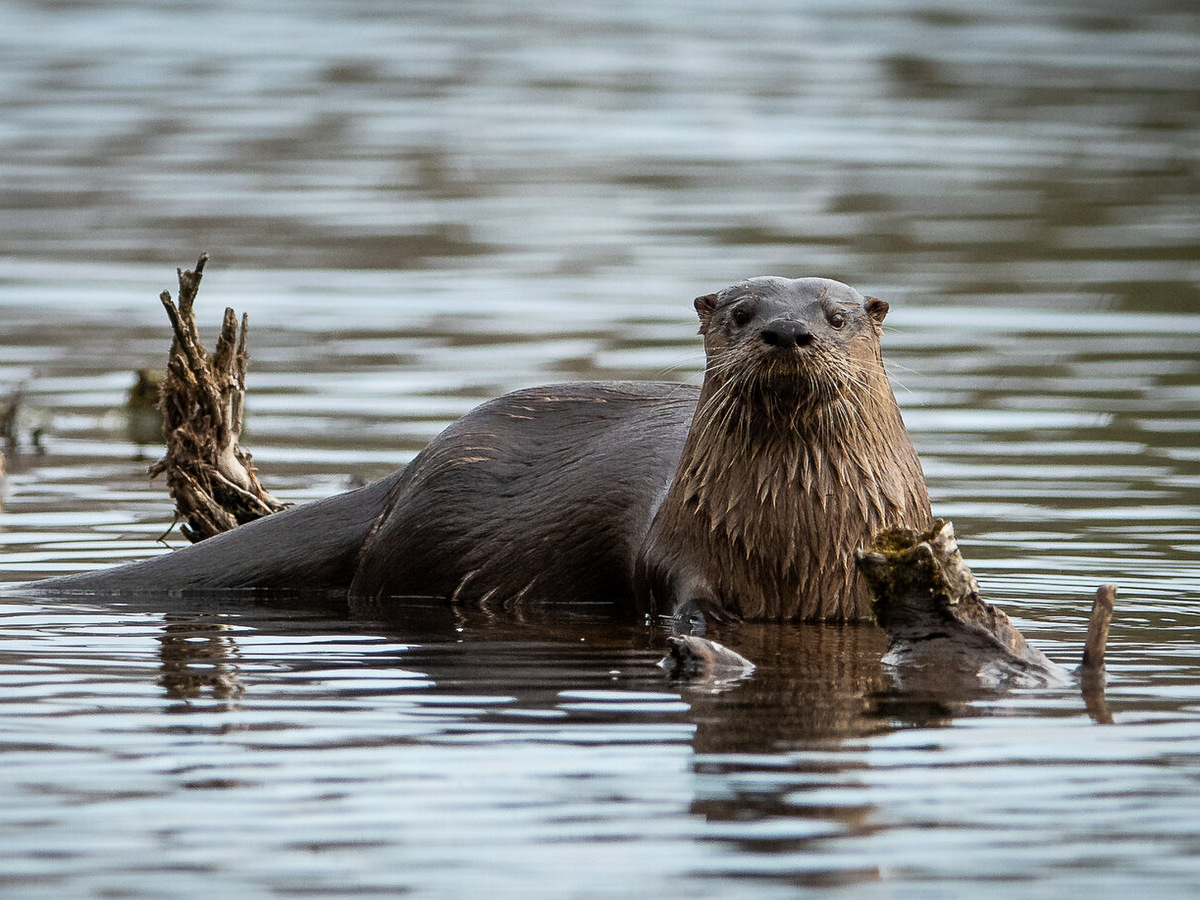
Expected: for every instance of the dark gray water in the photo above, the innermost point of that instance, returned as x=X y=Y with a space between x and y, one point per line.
x=424 y=205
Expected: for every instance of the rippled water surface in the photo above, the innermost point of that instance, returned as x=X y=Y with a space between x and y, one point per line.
x=423 y=205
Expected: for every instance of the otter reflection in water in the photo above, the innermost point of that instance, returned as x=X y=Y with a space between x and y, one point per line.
x=813 y=683
x=746 y=499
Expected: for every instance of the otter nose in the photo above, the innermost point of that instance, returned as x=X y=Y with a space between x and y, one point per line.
x=786 y=333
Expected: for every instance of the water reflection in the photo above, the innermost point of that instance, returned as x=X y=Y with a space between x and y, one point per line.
x=816 y=771
x=812 y=684
x=778 y=769
x=199 y=658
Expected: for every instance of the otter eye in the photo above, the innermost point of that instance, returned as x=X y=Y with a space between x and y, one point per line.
x=837 y=320
x=741 y=314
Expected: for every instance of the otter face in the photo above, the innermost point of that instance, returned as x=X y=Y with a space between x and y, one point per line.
x=793 y=342
x=788 y=314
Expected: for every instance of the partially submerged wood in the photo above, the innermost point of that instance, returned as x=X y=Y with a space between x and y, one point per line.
x=942 y=635
x=209 y=475
x=928 y=601
x=1092 y=677
x=690 y=656
x=1097 y=638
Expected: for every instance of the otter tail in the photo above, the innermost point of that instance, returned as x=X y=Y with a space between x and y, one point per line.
x=314 y=546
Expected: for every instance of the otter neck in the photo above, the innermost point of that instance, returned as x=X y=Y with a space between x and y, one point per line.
x=754 y=458
x=779 y=494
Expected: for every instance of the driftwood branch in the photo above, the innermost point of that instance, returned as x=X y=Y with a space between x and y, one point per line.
x=209 y=475
x=927 y=600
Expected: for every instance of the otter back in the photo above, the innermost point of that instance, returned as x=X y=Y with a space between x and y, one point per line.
x=542 y=495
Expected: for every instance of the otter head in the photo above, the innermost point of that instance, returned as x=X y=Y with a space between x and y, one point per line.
x=801 y=341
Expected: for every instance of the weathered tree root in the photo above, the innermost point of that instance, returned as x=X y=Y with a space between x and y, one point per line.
x=927 y=600
x=209 y=475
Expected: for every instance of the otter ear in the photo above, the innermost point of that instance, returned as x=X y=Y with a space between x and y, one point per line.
x=704 y=308
x=876 y=309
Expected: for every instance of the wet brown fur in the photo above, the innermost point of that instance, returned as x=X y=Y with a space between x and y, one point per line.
x=796 y=456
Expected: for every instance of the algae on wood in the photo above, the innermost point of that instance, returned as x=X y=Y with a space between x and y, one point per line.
x=927 y=600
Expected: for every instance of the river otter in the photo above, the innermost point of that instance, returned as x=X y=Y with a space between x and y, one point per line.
x=745 y=499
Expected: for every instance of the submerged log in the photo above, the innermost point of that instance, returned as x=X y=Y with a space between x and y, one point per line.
x=692 y=657
x=209 y=475
x=927 y=600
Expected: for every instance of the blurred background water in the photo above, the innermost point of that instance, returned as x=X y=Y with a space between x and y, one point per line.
x=422 y=205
